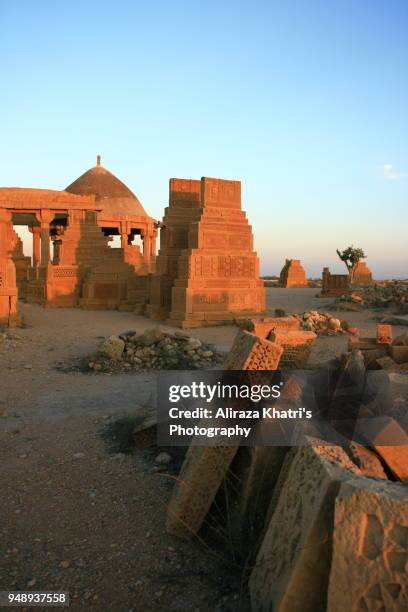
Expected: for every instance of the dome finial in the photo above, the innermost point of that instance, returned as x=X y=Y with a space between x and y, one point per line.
x=98 y=160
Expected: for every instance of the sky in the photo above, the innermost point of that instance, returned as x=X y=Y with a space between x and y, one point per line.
x=304 y=102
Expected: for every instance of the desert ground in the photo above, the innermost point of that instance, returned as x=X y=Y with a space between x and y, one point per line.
x=78 y=518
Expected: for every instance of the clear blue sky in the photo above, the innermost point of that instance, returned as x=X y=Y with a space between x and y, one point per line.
x=304 y=101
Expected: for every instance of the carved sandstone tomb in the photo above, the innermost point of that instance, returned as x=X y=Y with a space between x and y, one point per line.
x=293 y=274
x=207 y=270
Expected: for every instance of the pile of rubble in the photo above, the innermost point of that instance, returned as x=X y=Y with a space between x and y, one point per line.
x=383 y=352
x=324 y=324
x=320 y=323
x=317 y=526
x=154 y=349
x=381 y=295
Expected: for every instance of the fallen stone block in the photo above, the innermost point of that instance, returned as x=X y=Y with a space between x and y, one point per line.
x=399 y=353
x=384 y=334
x=249 y=352
x=113 y=348
x=386 y=363
x=201 y=476
x=296 y=347
x=370 y=548
x=391 y=443
x=292 y=566
x=252 y=479
x=366 y=460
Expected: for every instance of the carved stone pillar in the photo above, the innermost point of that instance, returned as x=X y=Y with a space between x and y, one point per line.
x=8 y=282
x=146 y=246
x=36 y=232
x=46 y=216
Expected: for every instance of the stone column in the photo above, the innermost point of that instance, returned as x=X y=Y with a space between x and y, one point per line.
x=146 y=246
x=124 y=240
x=8 y=282
x=45 y=237
x=36 y=232
x=153 y=245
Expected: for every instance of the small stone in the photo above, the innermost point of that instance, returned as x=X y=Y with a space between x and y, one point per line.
x=163 y=459
x=113 y=348
x=78 y=455
x=65 y=564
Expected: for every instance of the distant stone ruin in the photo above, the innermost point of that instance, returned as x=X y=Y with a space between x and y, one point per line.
x=335 y=284
x=362 y=274
x=292 y=274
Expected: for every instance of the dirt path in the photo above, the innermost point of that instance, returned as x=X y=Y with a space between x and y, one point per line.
x=74 y=517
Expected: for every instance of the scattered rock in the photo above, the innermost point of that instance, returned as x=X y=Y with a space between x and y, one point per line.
x=113 y=348
x=163 y=459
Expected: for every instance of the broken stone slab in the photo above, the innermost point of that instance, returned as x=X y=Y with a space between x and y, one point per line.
x=263 y=326
x=366 y=460
x=249 y=352
x=384 y=334
x=292 y=566
x=401 y=340
x=399 y=353
x=201 y=476
x=370 y=547
x=386 y=363
x=113 y=348
x=391 y=443
x=252 y=478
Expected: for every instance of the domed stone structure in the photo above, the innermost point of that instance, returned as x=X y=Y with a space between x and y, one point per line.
x=81 y=268
x=114 y=198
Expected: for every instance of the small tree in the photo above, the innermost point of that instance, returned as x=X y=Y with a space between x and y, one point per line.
x=351 y=257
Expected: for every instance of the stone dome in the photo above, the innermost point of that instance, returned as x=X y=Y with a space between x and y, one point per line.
x=114 y=198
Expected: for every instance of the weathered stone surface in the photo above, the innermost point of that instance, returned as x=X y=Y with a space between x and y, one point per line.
x=207 y=272
x=362 y=274
x=366 y=460
x=8 y=280
x=249 y=352
x=293 y=274
x=391 y=443
x=202 y=473
x=113 y=347
x=263 y=326
x=399 y=353
x=401 y=340
x=292 y=566
x=370 y=548
x=251 y=481
x=296 y=346
x=384 y=334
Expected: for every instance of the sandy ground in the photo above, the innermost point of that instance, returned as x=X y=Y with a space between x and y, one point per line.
x=74 y=517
